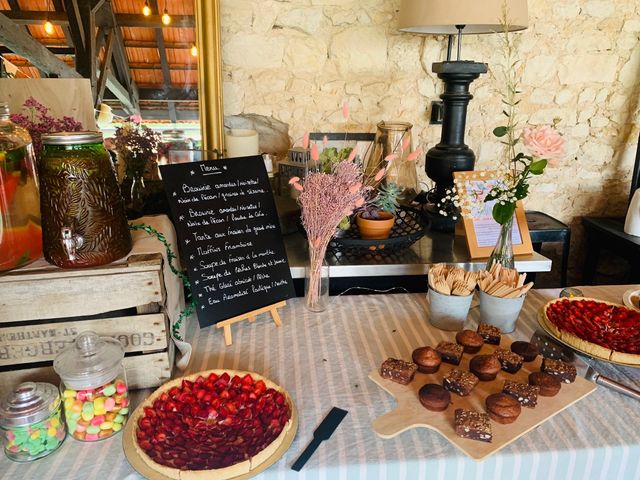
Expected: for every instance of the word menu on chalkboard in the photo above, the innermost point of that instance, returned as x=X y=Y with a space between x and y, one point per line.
x=229 y=232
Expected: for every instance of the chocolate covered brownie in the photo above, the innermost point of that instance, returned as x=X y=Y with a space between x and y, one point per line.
x=398 y=370
x=511 y=362
x=473 y=425
x=450 y=352
x=527 y=395
x=565 y=372
x=489 y=333
x=460 y=382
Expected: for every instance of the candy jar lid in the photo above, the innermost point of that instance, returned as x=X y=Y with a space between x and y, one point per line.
x=90 y=362
x=29 y=403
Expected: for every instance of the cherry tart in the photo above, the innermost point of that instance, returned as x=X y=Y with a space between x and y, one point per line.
x=601 y=329
x=215 y=424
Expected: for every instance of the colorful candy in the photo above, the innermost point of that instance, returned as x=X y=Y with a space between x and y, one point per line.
x=35 y=440
x=97 y=413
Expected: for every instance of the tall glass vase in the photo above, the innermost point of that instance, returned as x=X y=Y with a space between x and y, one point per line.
x=316 y=282
x=503 y=251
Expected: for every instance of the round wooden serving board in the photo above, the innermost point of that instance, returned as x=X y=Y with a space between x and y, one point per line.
x=409 y=412
x=143 y=469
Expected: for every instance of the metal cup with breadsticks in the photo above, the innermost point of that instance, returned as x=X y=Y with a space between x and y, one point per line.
x=450 y=280
x=503 y=282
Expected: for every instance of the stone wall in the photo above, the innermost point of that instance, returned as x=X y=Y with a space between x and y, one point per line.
x=298 y=60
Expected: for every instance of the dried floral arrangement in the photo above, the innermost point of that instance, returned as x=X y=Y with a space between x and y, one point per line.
x=38 y=122
x=327 y=197
x=138 y=145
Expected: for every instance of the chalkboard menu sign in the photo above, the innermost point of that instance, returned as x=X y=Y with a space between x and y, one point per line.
x=228 y=228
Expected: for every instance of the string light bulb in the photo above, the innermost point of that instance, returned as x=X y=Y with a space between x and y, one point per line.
x=146 y=10
x=194 y=50
x=48 y=27
x=166 y=18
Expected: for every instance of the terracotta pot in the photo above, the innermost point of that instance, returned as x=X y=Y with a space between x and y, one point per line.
x=376 y=229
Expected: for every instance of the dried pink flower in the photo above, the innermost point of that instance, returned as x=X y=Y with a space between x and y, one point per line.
x=294 y=180
x=345 y=110
x=414 y=155
x=315 y=155
x=352 y=155
x=305 y=140
x=406 y=142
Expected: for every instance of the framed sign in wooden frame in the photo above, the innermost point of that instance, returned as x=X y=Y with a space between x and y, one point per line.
x=480 y=229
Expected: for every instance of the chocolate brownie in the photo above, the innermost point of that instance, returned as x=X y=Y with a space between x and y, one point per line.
x=565 y=372
x=427 y=359
x=511 y=362
x=471 y=341
x=548 y=384
x=434 y=397
x=527 y=395
x=503 y=408
x=398 y=370
x=485 y=367
x=526 y=350
x=489 y=333
x=460 y=382
x=450 y=352
x=473 y=425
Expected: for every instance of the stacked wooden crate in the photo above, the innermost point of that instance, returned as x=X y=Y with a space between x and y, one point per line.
x=43 y=308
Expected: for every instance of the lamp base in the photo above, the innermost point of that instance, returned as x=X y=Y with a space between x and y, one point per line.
x=452 y=154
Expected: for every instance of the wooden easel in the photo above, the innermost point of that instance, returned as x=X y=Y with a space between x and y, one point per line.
x=251 y=316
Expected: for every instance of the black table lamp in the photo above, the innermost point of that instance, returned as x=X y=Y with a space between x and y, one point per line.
x=456 y=17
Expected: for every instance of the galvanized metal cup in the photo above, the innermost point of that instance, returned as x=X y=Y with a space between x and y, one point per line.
x=500 y=312
x=448 y=312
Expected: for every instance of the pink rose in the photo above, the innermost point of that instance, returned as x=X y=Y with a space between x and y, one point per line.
x=545 y=142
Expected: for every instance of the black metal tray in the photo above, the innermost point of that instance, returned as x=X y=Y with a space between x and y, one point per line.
x=409 y=227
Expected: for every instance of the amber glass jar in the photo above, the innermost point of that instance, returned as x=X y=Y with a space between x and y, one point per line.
x=20 y=233
x=83 y=217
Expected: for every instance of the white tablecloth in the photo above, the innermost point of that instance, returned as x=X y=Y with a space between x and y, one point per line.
x=323 y=360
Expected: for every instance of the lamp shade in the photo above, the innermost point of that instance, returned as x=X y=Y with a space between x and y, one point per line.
x=439 y=17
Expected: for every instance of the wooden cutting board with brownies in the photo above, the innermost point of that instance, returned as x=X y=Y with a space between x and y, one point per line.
x=479 y=390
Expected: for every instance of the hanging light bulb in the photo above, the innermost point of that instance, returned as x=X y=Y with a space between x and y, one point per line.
x=48 y=27
x=146 y=10
x=194 y=50
x=166 y=18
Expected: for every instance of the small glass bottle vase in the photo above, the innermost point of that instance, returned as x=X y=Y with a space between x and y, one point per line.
x=316 y=282
x=503 y=251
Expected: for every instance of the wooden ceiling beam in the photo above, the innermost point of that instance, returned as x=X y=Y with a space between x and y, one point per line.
x=123 y=19
x=69 y=51
x=58 y=7
x=23 y=44
x=155 y=66
x=161 y=95
x=164 y=63
x=153 y=44
x=105 y=66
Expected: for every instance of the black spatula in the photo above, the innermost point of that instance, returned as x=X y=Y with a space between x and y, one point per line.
x=323 y=432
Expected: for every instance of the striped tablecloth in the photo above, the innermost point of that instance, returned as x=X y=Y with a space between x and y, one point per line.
x=323 y=360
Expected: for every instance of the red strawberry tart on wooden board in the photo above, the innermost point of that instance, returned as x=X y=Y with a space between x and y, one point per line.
x=600 y=329
x=218 y=424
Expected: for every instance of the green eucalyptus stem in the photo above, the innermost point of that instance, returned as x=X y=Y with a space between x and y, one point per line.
x=190 y=307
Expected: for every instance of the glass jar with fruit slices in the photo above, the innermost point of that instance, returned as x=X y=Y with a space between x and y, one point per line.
x=94 y=388
x=30 y=421
x=20 y=232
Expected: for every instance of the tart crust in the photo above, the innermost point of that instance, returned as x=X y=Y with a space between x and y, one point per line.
x=586 y=346
x=231 y=471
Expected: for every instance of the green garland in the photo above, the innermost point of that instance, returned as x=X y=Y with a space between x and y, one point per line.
x=191 y=303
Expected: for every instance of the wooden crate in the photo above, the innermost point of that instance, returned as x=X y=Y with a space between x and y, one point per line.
x=43 y=308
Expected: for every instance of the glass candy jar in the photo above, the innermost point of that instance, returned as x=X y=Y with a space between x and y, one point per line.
x=83 y=216
x=94 y=387
x=30 y=421
x=20 y=232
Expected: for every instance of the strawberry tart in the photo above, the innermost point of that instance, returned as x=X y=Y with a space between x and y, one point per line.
x=600 y=329
x=217 y=424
